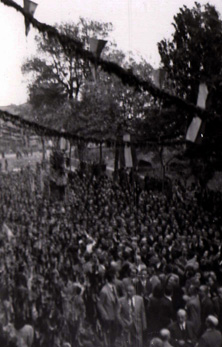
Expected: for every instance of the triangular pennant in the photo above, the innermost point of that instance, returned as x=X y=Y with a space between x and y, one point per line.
x=196 y=124
x=29 y=7
x=202 y=95
x=162 y=77
x=7 y=231
x=193 y=129
x=127 y=151
x=96 y=47
x=94 y=71
x=63 y=142
x=158 y=77
x=201 y=132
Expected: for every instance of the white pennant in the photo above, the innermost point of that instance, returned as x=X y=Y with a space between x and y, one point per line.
x=195 y=125
x=127 y=151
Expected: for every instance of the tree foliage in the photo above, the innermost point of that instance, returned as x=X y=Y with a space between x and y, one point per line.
x=194 y=55
x=57 y=68
x=64 y=94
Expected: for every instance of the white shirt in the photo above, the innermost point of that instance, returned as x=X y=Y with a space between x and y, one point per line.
x=132 y=300
x=183 y=326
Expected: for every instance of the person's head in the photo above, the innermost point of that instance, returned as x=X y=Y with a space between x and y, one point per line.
x=110 y=275
x=133 y=272
x=211 y=321
x=173 y=280
x=130 y=291
x=94 y=258
x=197 y=275
x=156 y=342
x=181 y=316
x=165 y=334
x=210 y=281
x=203 y=292
x=192 y=290
x=143 y=274
x=157 y=291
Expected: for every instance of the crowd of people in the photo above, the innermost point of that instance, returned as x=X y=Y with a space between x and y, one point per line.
x=111 y=264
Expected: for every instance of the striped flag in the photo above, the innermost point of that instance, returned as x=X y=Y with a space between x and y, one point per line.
x=196 y=123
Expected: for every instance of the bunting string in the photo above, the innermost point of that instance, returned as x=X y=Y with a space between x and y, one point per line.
x=42 y=130
x=126 y=76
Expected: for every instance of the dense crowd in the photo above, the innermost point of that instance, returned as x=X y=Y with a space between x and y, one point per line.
x=111 y=264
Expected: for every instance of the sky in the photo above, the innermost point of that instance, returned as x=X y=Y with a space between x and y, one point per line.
x=138 y=26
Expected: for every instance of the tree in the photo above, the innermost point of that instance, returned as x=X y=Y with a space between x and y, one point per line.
x=64 y=95
x=108 y=107
x=57 y=71
x=194 y=53
x=111 y=104
x=191 y=56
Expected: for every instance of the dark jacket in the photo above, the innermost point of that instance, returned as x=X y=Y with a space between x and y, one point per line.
x=167 y=312
x=211 y=338
x=188 y=335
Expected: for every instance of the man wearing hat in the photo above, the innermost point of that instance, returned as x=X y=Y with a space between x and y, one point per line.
x=212 y=336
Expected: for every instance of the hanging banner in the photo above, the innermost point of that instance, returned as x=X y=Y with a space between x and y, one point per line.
x=202 y=95
x=29 y=7
x=193 y=129
x=159 y=77
x=7 y=232
x=195 y=125
x=127 y=151
x=63 y=142
x=96 y=47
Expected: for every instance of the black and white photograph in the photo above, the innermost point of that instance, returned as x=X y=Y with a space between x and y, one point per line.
x=110 y=173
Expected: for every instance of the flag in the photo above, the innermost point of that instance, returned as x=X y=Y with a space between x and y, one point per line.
x=41 y=180
x=32 y=182
x=196 y=123
x=159 y=76
x=29 y=7
x=96 y=47
x=63 y=142
x=127 y=151
x=7 y=231
x=193 y=129
x=202 y=95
